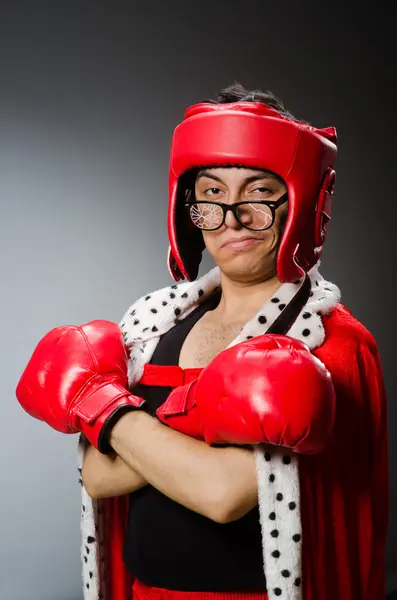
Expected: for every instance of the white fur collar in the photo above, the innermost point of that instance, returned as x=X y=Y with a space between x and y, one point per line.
x=155 y=313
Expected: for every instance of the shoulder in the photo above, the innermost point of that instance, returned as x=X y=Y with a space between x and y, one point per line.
x=351 y=355
x=158 y=311
x=349 y=348
x=340 y=325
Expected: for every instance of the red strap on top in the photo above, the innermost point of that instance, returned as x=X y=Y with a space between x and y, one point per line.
x=168 y=376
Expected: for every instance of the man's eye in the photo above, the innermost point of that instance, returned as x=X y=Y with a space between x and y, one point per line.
x=263 y=190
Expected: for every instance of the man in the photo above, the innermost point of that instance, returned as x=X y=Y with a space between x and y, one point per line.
x=270 y=477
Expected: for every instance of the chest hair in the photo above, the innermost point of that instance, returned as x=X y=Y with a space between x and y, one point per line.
x=205 y=340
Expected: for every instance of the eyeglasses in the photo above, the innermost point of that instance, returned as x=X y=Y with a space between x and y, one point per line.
x=256 y=216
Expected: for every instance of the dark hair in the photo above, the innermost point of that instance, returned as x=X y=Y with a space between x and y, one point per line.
x=237 y=93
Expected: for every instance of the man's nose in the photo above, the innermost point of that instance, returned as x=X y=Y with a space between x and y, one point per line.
x=231 y=221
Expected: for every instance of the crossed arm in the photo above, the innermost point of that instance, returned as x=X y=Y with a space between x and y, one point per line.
x=217 y=482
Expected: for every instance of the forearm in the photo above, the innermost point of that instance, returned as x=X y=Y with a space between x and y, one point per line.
x=219 y=483
x=107 y=476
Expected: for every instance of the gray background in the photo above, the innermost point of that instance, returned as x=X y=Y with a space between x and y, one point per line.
x=89 y=95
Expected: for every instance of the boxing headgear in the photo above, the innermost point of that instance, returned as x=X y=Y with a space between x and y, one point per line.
x=253 y=135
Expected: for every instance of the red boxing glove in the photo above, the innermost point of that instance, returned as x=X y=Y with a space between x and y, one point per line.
x=270 y=389
x=76 y=381
x=180 y=411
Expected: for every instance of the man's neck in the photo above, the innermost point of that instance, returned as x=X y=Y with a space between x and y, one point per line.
x=240 y=301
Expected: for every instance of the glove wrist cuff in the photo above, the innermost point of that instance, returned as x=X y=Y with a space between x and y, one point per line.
x=100 y=410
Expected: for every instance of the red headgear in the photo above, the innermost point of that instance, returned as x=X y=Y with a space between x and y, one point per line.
x=253 y=135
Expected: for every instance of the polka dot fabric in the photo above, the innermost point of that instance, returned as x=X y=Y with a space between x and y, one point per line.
x=278 y=473
x=279 y=509
x=89 y=548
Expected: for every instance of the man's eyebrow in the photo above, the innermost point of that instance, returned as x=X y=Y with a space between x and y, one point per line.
x=204 y=173
x=250 y=178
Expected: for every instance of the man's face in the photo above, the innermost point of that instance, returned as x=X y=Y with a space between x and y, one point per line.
x=240 y=253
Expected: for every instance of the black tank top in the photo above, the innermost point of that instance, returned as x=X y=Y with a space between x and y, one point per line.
x=172 y=547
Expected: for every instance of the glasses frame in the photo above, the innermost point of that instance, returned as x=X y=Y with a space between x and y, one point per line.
x=272 y=204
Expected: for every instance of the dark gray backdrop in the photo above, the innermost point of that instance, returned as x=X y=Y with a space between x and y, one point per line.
x=89 y=95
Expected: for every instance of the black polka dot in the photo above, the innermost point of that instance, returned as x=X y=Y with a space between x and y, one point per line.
x=286 y=459
x=276 y=554
x=282 y=306
x=91 y=574
x=172 y=295
x=200 y=293
x=328 y=290
x=272 y=478
x=296 y=537
x=249 y=337
x=306 y=315
x=136 y=321
x=272 y=516
x=317 y=283
x=174 y=287
x=85 y=559
x=292 y=505
x=90 y=539
x=275 y=300
x=164 y=303
x=306 y=332
x=277 y=592
x=147 y=297
x=286 y=573
x=262 y=319
x=268 y=456
x=87 y=549
x=177 y=311
x=279 y=497
x=145 y=328
x=154 y=310
x=83 y=508
x=154 y=328
x=87 y=585
x=132 y=313
x=297 y=581
x=184 y=295
x=274 y=533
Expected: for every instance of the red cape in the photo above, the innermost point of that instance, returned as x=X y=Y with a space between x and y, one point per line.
x=344 y=490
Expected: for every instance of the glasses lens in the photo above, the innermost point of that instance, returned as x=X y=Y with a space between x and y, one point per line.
x=206 y=215
x=255 y=215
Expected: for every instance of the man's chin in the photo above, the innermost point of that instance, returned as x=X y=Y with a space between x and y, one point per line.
x=246 y=273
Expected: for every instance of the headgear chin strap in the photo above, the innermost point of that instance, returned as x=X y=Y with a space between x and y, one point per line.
x=253 y=135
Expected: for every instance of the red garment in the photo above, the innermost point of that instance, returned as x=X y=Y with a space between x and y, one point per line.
x=141 y=591
x=344 y=490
